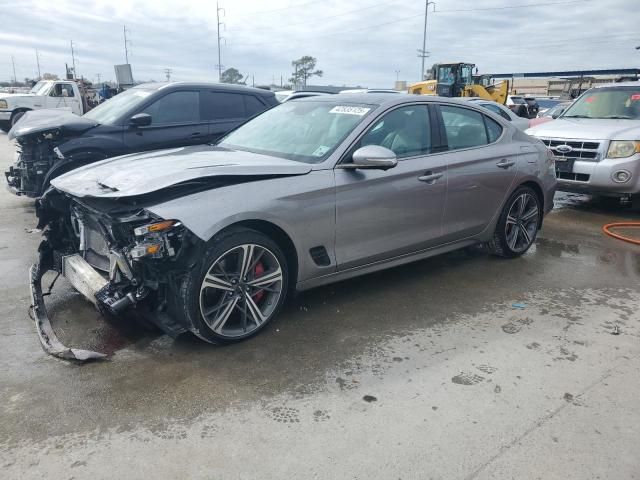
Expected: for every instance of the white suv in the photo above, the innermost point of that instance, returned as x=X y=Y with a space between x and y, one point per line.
x=596 y=142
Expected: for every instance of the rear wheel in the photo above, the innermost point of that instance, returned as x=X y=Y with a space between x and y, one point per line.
x=518 y=224
x=239 y=287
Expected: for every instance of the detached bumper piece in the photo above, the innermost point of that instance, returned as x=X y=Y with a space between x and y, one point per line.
x=84 y=279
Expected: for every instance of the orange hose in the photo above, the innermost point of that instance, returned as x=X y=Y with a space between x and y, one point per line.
x=607 y=230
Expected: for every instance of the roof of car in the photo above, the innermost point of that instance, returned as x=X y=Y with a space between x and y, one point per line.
x=619 y=84
x=380 y=98
x=214 y=85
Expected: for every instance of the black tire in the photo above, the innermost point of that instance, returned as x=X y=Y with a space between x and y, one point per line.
x=522 y=223
x=194 y=295
x=16 y=117
x=5 y=126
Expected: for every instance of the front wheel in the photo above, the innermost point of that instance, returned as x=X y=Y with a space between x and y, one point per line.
x=518 y=224
x=238 y=288
x=5 y=126
x=16 y=117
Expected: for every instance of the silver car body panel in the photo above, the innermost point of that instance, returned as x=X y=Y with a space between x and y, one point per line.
x=365 y=219
x=142 y=173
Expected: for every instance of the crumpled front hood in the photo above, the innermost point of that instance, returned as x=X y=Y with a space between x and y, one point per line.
x=36 y=121
x=142 y=173
x=588 y=129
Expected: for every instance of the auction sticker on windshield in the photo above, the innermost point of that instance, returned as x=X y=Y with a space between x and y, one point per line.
x=349 y=110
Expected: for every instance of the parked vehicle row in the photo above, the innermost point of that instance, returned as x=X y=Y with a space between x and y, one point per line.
x=211 y=239
x=292 y=192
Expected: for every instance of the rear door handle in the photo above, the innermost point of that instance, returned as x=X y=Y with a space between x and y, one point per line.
x=195 y=135
x=504 y=163
x=429 y=177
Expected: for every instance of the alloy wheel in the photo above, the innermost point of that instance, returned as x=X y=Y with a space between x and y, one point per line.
x=522 y=222
x=241 y=290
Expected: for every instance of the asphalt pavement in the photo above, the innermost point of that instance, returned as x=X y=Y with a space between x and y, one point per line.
x=462 y=366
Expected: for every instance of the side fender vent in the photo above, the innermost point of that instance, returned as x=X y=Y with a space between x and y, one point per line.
x=320 y=256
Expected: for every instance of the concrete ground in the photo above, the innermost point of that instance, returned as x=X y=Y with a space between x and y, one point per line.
x=457 y=367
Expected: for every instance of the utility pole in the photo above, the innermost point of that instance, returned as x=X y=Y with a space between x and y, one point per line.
x=167 y=72
x=15 y=79
x=38 y=63
x=397 y=75
x=73 y=60
x=423 y=53
x=98 y=75
x=218 y=10
x=126 y=45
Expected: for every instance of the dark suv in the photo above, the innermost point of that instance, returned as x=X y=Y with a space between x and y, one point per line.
x=147 y=117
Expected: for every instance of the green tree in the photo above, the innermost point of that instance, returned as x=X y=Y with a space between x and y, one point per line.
x=304 y=68
x=231 y=75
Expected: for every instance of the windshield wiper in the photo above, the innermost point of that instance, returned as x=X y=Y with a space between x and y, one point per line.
x=575 y=116
x=619 y=117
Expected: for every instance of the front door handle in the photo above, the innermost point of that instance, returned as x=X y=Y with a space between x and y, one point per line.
x=195 y=135
x=429 y=177
x=504 y=163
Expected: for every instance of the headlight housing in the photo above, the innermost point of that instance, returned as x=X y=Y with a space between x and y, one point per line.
x=156 y=240
x=4 y=104
x=623 y=148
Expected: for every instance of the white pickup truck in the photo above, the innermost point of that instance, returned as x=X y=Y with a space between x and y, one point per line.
x=50 y=94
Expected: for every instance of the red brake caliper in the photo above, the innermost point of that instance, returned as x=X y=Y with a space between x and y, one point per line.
x=259 y=270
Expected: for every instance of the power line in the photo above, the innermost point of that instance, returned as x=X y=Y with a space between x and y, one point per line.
x=321 y=19
x=411 y=17
x=38 y=63
x=218 y=22
x=126 y=44
x=73 y=60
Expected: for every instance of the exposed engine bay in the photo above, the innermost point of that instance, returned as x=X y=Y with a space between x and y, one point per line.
x=36 y=155
x=119 y=256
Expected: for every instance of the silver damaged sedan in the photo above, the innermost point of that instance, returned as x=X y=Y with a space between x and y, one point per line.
x=210 y=239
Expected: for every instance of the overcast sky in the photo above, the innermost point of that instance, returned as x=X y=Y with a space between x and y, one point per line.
x=360 y=42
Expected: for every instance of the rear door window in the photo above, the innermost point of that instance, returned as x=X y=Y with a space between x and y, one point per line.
x=252 y=105
x=175 y=108
x=494 y=130
x=464 y=127
x=224 y=106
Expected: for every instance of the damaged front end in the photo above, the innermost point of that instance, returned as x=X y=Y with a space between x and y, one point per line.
x=35 y=156
x=118 y=256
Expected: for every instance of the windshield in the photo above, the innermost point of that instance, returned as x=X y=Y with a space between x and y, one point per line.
x=613 y=102
x=109 y=112
x=305 y=131
x=547 y=103
x=40 y=88
x=466 y=74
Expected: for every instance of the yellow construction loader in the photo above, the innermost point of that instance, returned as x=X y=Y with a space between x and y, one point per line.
x=458 y=80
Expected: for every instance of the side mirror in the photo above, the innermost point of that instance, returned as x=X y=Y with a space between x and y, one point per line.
x=373 y=157
x=140 y=120
x=558 y=112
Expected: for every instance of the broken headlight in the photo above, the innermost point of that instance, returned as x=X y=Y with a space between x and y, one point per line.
x=156 y=240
